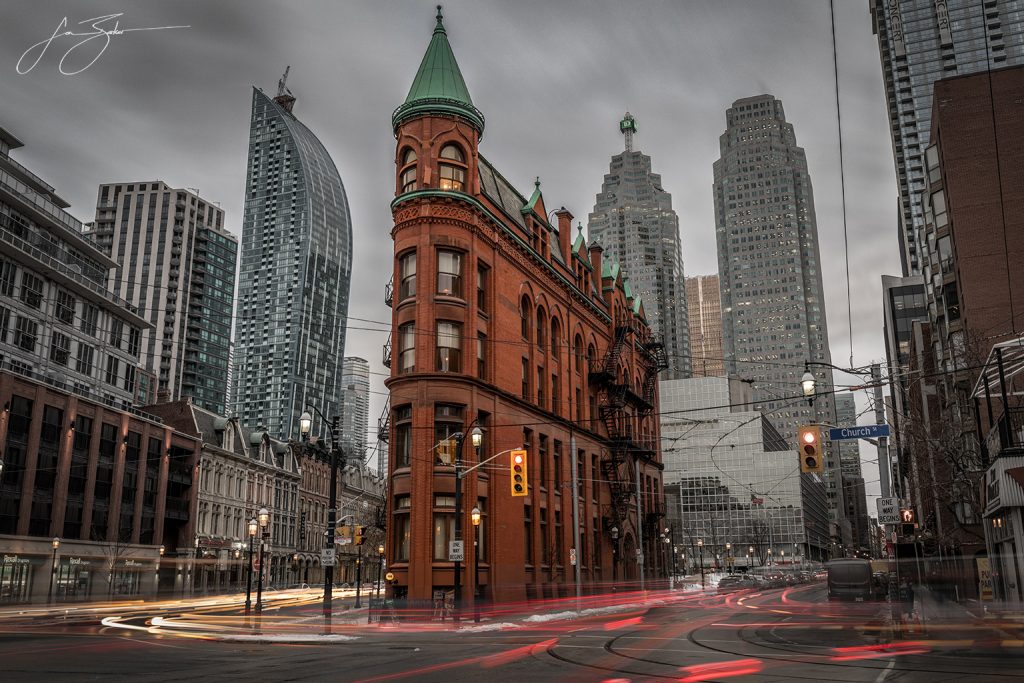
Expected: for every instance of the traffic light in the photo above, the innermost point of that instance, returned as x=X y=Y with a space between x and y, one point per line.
x=520 y=484
x=360 y=535
x=809 y=438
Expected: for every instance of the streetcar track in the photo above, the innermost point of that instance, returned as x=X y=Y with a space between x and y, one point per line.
x=776 y=653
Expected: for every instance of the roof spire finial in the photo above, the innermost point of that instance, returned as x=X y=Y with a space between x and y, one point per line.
x=440 y=21
x=536 y=183
x=627 y=126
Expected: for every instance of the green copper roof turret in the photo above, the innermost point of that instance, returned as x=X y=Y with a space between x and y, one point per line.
x=439 y=87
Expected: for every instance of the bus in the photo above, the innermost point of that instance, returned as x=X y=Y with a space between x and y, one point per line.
x=850 y=579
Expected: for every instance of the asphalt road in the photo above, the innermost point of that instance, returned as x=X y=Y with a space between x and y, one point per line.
x=781 y=635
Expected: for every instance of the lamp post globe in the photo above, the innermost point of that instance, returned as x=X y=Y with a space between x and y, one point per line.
x=264 y=517
x=305 y=424
x=807 y=383
x=477 y=437
x=475 y=516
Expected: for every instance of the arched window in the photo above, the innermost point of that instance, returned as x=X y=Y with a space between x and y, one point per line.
x=578 y=353
x=541 y=327
x=407 y=172
x=524 y=317
x=556 y=338
x=452 y=169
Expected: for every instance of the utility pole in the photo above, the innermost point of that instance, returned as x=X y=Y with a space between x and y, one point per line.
x=639 y=523
x=575 y=516
x=883 y=442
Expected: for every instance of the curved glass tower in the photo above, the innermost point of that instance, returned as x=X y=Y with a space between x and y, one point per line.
x=296 y=269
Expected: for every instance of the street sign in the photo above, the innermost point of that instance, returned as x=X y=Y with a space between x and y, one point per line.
x=327 y=557
x=342 y=540
x=888 y=510
x=858 y=432
x=456 y=551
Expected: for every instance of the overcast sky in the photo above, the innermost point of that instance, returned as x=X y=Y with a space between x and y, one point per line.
x=553 y=78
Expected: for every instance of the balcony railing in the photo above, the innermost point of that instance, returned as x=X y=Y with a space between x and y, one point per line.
x=1007 y=434
x=389 y=294
x=8 y=237
x=387 y=352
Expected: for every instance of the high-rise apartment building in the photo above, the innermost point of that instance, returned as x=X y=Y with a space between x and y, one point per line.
x=704 y=307
x=634 y=221
x=773 y=303
x=355 y=383
x=176 y=263
x=920 y=42
x=294 y=279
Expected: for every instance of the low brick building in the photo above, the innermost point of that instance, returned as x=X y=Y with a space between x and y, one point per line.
x=506 y=322
x=115 y=487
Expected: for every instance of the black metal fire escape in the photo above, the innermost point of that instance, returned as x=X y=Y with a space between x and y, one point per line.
x=616 y=394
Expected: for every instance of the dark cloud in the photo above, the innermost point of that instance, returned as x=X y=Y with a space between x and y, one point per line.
x=552 y=78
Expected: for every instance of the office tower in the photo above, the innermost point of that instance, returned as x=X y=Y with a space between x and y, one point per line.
x=294 y=280
x=176 y=263
x=849 y=451
x=80 y=461
x=730 y=477
x=704 y=306
x=634 y=221
x=355 y=382
x=773 y=304
x=920 y=42
x=59 y=322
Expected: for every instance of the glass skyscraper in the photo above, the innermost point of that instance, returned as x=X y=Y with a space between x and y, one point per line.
x=294 y=280
x=356 y=387
x=769 y=266
x=634 y=221
x=919 y=42
x=731 y=478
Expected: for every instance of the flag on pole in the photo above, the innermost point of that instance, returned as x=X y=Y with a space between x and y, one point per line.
x=754 y=500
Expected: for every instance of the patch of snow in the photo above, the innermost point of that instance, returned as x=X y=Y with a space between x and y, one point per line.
x=285 y=638
x=488 y=627
x=558 y=616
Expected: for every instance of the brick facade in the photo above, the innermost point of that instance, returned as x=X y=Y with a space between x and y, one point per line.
x=508 y=323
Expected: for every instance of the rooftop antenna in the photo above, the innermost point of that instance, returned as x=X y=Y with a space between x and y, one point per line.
x=627 y=126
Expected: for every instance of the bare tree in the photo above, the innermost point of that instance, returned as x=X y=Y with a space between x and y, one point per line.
x=757 y=538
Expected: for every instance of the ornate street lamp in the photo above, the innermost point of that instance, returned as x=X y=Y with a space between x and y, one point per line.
x=264 y=520
x=475 y=516
x=380 y=566
x=700 y=546
x=337 y=460
x=614 y=533
x=53 y=567
x=253 y=529
x=476 y=436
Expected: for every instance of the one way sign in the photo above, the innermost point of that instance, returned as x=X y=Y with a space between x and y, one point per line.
x=889 y=511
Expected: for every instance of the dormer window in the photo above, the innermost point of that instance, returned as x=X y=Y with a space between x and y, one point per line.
x=452 y=169
x=407 y=172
